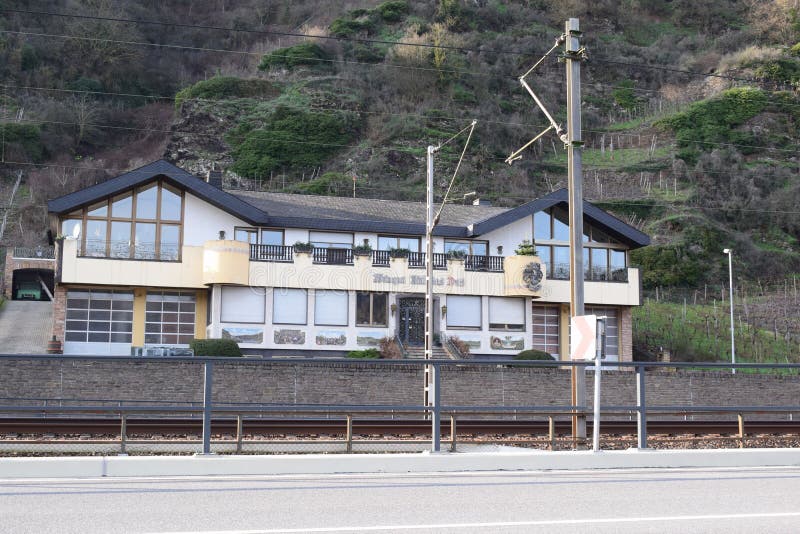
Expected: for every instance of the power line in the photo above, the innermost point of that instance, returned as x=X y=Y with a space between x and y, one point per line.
x=383 y=42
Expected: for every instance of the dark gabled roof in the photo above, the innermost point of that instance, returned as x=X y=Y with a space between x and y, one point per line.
x=602 y=219
x=363 y=214
x=171 y=173
x=342 y=213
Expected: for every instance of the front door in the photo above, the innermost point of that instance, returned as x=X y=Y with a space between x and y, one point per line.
x=412 y=321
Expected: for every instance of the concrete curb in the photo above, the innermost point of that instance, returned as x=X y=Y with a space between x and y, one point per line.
x=138 y=466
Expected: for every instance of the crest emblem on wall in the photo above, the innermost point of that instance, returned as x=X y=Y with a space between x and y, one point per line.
x=532 y=276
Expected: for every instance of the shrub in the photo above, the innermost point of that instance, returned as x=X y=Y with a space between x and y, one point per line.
x=456 y=254
x=26 y=136
x=292 y=56
x=308 y=248
x=367 y=354
x=90 y=85
x=362 y=250
x=533 y=354
x=222 y=87
x=399 y=252
x=393 y=11
x=350 y=27
x=289 y=138
x=215 y=347
x=390 y=350
x=526 y=248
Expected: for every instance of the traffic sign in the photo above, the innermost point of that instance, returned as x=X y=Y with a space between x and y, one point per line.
x=583 y=337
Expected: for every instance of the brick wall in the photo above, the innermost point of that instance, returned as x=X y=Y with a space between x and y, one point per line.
x=13 y=264
x=625 y=326
x=303 y=383
x=59 y=311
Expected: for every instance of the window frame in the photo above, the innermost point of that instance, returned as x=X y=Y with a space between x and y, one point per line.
x=469 y=243
x=305 y=292
x=397 y=239
x=480 y=313
x=493 y=326
x=372 y=322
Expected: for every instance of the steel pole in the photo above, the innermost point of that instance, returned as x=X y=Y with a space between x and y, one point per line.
x=575 y=186
x=208 y=376
x=730 y=289
x=431 y=390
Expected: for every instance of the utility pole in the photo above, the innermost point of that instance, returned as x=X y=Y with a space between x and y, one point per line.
x=573 y=55
x=430 y=370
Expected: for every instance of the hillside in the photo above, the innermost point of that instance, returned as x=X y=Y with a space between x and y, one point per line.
x=690 y=111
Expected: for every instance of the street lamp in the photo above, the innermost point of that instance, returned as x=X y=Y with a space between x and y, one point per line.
x=729 y=252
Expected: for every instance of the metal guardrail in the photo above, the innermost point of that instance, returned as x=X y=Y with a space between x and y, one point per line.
x=434 y=411
x=33 y=253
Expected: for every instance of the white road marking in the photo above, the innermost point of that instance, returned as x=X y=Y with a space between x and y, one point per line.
x=543 y=523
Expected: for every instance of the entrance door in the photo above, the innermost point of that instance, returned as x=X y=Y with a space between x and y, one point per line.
x=412 y=321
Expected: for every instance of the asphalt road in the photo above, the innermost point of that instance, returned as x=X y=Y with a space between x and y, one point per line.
x=656 y=500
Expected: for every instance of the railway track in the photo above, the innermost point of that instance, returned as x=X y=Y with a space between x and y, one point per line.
x=393 y=427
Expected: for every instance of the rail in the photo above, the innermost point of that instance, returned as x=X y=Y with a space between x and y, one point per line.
x=434 y=412
x=276 y=253
x=33 y=253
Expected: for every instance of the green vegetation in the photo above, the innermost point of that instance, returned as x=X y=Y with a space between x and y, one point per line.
x=366 y=354
x=330 y=183
x=368 y=21
x=293 y=56
x=225 y=87
x=26 y=137
x=624 y=95
x=702 y=333
x=289 y=138
x=710 y=122
x=215 y=347
x=533 y=354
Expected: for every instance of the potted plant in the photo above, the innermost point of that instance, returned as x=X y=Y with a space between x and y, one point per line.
x=456 y=254
x=362 y=250
x=306 y=248
x=399 y=252
x=526 y=248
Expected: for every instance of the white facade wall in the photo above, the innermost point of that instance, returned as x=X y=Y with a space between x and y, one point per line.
x=509 y=237
x=203 y=222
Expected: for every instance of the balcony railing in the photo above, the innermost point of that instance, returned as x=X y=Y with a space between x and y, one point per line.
x=277 y=253
x=35 y=253
x=97 y=248
x=560 y=271
x=380 y=258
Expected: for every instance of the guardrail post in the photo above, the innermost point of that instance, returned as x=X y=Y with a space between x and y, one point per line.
x=208 y=377
x=551 y=432
x=436 y=415
x=740 y=417
x=239 y=437
x=641 y=409
x=452 y=433
x=123 y=435
x=349 y=433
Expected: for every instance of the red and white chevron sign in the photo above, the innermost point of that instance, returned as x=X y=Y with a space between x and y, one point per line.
x=583 y=337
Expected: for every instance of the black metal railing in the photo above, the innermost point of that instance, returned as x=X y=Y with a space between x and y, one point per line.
x=484 y=263
x=37 y=253
x=333 y=256
x=271 y=253
x=380 y=258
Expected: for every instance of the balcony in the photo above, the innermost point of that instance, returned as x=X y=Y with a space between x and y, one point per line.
x=33 y=253
x=379 y=258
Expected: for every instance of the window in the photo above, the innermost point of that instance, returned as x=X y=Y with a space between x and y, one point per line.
x=541 y=226
x=371 y=309
x=243 y=304
x=132 y=225
x=389 y=242
x=331 y=240
x=99 y=316
x=289 y=306
x=545 y=323
x=330 y=307
x=463 y=311
x=271 y=237
x=470 y=248
x=617 y=266
x=169 y=318
x=506 y=313
x=246 y=235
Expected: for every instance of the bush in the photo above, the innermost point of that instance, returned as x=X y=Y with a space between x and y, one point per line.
x=390 y=350
x=308 y=248
x=526 y=248
x=292 y=56
x=533 y=354
x=393 y=11
x=25 y=136
x=350 y=27
x=289 y=138
x=367 y=354
x=399 y=252
x=89 y=85
x=222 y=87
x=215 y=347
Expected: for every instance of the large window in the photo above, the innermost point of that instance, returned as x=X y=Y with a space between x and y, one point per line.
x=470 y=248
x=506 y=313
x=330 y=307
x=246 y=235
x=99 y=316
x=289 y=306
x=243 y=304
x=389 y=242
x=169 y=318
x=371 y=309
x=544 y=322
x=143 y=224
x=463 y=311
